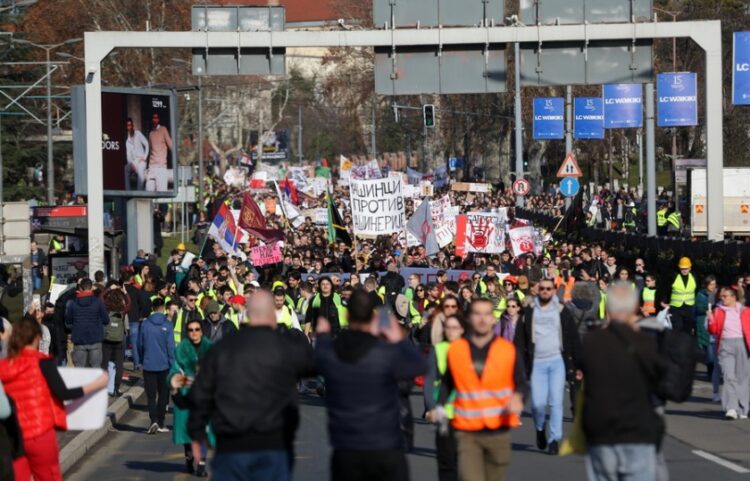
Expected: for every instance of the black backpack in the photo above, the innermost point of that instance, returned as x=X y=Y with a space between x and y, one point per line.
x=679 y=357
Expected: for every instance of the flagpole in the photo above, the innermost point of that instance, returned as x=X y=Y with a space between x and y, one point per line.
x=205 y=239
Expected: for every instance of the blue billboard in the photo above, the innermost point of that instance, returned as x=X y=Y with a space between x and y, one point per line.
x=588 y=118
x=677 y=99
x=549 y=118
x=623 y=106
x=741 y=69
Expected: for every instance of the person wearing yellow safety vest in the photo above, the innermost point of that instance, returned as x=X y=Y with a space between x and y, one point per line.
x=443 y=334
x=488 y=379
x=674 y=223
x=510 y=291
x=285 y=317
x=56 y=244
x=236 y=313
x=682 y=300
x=188 y=312
x=648 y=296
x=162 y=292
x=478 y=286
x=494 y=294
x=327 y=304
x=661 y=220
x=411 y=289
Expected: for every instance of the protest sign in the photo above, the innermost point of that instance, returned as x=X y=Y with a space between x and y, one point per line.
x=471 y=187
x=377 y=206
x=321 y=216
x=267 y=254
x=235 y=177
x=522 y=240
x=421 y=225
x=90 y=411
x=484 y=233
x=426 y=189
x=345 y=170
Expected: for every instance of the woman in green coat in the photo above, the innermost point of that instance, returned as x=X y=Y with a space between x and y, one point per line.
x=181 y=376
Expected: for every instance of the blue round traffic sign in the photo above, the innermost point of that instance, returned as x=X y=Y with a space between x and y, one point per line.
x=569 y=186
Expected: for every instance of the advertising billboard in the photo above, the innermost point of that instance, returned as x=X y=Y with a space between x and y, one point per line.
x=275 y=145
x=741 y=69
x=549 y=118
x=677 y=99
x=623 y=106
x=588 y=115
x=139 y=142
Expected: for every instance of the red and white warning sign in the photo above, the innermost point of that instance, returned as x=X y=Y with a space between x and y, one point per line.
x=569 y=167
x=521 y=187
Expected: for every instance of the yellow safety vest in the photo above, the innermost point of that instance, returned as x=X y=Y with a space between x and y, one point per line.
x=178 y=324
x=286 y=317
x=675 y=218
x=683 y=294
x=661 y=218
x=441 y=356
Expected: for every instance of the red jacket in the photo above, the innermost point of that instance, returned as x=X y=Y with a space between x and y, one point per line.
x=716 y=325
x=38 y=410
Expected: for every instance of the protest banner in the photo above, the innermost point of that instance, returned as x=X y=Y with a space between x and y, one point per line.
x=321 y=216
x=422 y=226
x=471 y=187
x=426 y=189
x=267 y=254
x=345 y=170
x=522 y=239
x=88 y=412
x=484 y=233
x=377 y=206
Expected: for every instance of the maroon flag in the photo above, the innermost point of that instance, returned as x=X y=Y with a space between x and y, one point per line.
x=252 y=220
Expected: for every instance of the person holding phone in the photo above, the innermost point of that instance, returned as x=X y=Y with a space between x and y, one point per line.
x=32 y=380
x=362 y=368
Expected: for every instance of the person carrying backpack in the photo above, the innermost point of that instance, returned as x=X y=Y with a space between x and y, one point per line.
x=113 y=344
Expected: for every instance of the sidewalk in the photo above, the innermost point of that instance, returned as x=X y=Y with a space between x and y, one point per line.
x=700 y=423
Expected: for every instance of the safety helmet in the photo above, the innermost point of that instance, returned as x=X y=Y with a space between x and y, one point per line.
x=685 y=263
x=181 y=246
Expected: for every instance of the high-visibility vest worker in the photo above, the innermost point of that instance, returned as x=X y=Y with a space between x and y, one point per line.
x=340 y=308
x=602 y=304
x=683 y=293
x=649 y=301
x=178 y=322
x=675 y=220
x=567 y=287
x=661 y=217
x=441 y=356
x=286 y=317
x=483 y=403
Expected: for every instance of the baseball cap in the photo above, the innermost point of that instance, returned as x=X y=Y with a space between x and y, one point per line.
x=238 y=299
x=213 y=306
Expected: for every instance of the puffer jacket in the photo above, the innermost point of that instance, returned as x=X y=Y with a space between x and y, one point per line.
x=86 y=316
x=38 y=410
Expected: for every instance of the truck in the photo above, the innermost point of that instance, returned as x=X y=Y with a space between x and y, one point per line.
x=736 y=202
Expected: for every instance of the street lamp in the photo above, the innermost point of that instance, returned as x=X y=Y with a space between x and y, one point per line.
x=50 y=164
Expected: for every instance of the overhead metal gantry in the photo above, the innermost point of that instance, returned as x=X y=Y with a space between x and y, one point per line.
x=707 y=34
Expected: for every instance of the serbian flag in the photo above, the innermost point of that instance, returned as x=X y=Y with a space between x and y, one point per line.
x=290 y=190
x=224 y=231
x=252 y=220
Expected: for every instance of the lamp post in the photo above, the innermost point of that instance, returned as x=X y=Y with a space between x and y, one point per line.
x=50 y=162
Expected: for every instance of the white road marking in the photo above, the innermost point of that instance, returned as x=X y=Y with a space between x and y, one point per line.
x=722 y=462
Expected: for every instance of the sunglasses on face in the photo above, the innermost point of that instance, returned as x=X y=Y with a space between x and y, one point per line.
x=191 y=300
x=546 y=288
x=195 y=329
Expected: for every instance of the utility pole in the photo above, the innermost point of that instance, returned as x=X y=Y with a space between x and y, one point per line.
x=50 y=156
x=374 y=128
x=200 y=143
x=568 y=129
x=519 y=120
x=299 y=134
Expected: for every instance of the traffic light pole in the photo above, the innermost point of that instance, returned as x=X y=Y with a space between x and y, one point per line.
x=519 y=119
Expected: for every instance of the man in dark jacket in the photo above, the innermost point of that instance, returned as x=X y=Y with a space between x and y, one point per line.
x=245 y=389
x=215 y=325
x=392 y=284
x=140 y=308
x=549 y=343
x=86 y=316
x=326 y=304
x=621 y=367
x=362 y=373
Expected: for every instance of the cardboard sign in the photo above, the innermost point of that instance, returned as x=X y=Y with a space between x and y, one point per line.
x=377 y=206
x=471 y=187
x=267 y=254
x=485 y=233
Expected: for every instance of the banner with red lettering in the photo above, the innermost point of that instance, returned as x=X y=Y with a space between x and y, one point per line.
x=267 y=254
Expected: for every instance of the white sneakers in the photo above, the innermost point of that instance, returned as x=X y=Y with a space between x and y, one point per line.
x=155 y=427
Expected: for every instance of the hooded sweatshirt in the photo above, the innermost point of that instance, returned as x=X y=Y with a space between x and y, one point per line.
x=86 y=316
x=157 y=343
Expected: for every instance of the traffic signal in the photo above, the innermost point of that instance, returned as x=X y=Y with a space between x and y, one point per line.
x=428 y=114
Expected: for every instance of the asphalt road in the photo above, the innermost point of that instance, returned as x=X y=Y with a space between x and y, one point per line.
x=126 y=453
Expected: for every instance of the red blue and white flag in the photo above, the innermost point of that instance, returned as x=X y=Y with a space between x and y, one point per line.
x=224 y=231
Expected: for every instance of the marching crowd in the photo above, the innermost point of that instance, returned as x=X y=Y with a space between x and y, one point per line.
x=338 y=320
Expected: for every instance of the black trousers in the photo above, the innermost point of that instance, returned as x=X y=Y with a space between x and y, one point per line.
x=683 y=319
x=447 y=455
x=115 y=352
x=375 y=465
x=157 y=395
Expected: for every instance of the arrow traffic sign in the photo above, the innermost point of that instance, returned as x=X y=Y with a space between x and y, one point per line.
x=570 y=186
x=569 y=167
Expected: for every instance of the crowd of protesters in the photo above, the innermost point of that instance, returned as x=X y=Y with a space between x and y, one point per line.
x=509 y=332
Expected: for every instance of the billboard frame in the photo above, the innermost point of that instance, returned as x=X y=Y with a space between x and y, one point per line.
x=80 y=154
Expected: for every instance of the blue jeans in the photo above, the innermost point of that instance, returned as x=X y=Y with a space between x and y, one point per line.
x=621 y=462
x=548 y=389
x=271 y=465
x=135 y=330
x=36 y=280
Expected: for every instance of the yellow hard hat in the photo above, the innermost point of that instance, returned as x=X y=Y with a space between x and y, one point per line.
x=685 y=263
x=181 y=246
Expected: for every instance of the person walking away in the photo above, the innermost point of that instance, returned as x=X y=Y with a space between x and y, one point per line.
x=682 y=299
x=85 y=316
x=443 y=334
x=705 y=300
x=550 y=346
x=139 y=310
x=188 y=354
x=489 y=383
x=730 y=323
x=362 y=368
x=32 y=380
x=157 y=353
x=621 y=367
x=113 y=345
x=250 y=423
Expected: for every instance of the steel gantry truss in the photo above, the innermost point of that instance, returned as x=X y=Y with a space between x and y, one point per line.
x=707 y=34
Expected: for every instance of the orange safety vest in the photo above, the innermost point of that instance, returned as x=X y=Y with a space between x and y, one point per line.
x=483 y=403
x=568 y=290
